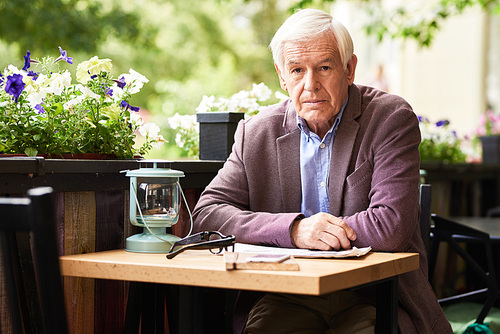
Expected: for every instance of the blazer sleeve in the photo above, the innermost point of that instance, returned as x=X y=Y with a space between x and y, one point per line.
x=381 y=195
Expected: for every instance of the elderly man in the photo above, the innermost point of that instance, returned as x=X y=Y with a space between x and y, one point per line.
x=335 y=166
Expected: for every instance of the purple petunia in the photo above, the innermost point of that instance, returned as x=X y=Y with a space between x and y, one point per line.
x=442 y=123
x=108 y=91
x=27 y=60
x=34 y=75
x=15 y=85
x=120 y=82
x=40 y=109
x=64 y=56
x=124 y=104
x=1 y=78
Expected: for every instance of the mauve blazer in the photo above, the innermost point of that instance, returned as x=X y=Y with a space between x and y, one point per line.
x=373 y=186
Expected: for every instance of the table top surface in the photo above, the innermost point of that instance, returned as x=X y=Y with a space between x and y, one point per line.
x=201 y=268
x=490 y=225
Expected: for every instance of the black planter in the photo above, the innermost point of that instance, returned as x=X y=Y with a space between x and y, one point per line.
x=217 y=133
x=491 y=149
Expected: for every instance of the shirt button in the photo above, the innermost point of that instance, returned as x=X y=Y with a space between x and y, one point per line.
x=322 y=184
x=322 y=145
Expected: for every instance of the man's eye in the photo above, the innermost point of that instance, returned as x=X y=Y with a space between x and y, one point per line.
x=296 y=70
x=325 y=68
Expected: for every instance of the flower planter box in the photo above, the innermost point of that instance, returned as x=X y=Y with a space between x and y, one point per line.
x=217 y=133
x=491 y=149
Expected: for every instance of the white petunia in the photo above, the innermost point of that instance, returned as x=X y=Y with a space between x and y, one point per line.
x=261 y=92
x=134 y=81
x=206 y=104
x=136 y=119
x=149 y=130
x=57 y=82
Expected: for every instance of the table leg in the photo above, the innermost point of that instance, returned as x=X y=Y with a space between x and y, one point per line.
x=145 y=306
x=387 y=306
x=133 y=313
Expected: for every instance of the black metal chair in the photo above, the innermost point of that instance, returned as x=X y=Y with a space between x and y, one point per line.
x=456 y=236
x=31 y=263
x=425 y=214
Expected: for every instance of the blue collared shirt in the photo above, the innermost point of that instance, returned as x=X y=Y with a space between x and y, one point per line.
x=315 y=157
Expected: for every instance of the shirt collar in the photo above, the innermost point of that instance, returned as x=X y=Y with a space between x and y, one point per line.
x=302 y=124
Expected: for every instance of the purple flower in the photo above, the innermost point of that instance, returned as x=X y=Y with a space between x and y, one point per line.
x=33 y=74
x=27 y=61
x=423 y=119
x=442 y=123
x=15 y=85
x=1 y=78
x=64 y=57
x=124 y=104
x=120 y=82
x=108 y=91
x=40 y=109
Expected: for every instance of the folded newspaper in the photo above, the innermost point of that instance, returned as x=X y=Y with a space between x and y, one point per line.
x=298 y=252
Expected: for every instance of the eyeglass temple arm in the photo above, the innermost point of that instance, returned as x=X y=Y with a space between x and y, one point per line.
x=224 y=242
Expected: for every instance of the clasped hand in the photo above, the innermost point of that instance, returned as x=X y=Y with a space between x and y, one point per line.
x=322 y=231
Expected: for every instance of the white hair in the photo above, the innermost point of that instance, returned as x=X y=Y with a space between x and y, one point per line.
x=306 y=25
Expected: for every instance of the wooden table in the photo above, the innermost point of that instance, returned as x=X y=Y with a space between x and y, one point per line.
x=202 y=269
x=490 y=225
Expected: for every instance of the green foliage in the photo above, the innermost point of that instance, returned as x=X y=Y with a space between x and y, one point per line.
x=50 y=115
x=411 y=20
x=42 y=25
x=439 y=143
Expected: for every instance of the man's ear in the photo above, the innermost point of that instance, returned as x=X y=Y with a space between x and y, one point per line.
x=351 y=69
x=280 y=75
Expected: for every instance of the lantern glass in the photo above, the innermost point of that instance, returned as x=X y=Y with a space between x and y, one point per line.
x=154 y=205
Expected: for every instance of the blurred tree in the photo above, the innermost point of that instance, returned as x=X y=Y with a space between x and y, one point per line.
x=78 y=25
x=418 y=20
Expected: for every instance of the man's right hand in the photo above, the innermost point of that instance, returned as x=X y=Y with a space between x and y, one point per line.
x=322 y=231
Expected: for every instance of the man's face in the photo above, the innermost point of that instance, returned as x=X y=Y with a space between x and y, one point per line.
x=316 y=81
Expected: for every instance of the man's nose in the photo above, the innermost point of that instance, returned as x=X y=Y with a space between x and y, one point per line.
x=311 y=81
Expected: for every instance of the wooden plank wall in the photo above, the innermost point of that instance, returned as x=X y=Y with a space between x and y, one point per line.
x=87 y=222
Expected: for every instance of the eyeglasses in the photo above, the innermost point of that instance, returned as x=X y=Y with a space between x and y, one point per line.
x=211 y=240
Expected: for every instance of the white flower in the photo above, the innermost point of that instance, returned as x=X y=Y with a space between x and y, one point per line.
x=158 y=142
x=35 y=92
x=179 y=140
x=183 y=122
x=206 y=104
x=35 y=97
x=86 y=93
x=134 y=81
x=136 y=119
x=149 y=130
x=57 y=82
x=117 y=93
x=93 y=66
x=175 y=121
x=261 y=92
x=11 y=69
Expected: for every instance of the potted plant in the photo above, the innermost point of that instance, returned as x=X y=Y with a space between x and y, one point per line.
x=439 y=142
x=488 y=133
x=43 y=113
x=210 y=134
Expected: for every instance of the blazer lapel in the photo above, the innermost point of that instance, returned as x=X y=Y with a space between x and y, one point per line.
x=343 y=149
x=288 y=147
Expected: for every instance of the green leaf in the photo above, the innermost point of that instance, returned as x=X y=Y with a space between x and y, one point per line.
x=31 y=152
